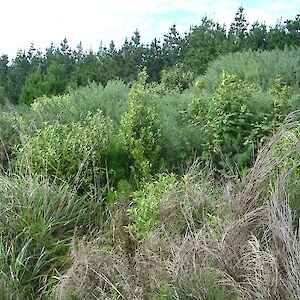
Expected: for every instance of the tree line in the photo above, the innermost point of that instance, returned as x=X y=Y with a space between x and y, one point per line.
x=36 y=73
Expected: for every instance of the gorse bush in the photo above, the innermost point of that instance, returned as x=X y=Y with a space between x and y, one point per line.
x=111 y=99
x=72 y=153
x=179 y=141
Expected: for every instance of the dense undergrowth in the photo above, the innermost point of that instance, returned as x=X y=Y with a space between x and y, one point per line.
x=154 y=191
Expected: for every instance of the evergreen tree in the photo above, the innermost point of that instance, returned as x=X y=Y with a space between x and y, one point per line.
x=109 y=63
x=276 y=37
x=87 y=69
x=3 y=69
x=257 y=38
x=132 y=58
x=173 y=47
x=16 y=76
x=293 y=31
x=205 y=43
x=238 y=31
x=3 y=77
x=154 y=60
x=33 y=87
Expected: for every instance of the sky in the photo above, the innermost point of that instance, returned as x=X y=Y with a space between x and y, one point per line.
x=23 y=22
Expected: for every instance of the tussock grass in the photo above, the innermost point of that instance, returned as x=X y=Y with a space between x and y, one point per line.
x=237 y=240
x=38 y=221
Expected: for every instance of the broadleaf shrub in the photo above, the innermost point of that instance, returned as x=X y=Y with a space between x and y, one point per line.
x=177 y=78
x=139 y=132
x=143 y=212
x=70 y=152
x=238 y=118
x=226 y=121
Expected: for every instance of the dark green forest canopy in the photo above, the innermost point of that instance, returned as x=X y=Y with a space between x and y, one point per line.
x=36 y=73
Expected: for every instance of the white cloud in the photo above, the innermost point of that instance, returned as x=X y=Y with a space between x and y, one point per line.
x=91 y=21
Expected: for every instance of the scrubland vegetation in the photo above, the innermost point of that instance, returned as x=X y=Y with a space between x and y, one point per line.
x=182 y=188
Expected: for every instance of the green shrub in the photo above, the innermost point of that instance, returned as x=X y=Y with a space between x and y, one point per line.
x=180 y=142
x=177 y=78
x=9 y=137
x=139 y=132
x=268 y=124
x=76 y=105
x=72 y=153
x=143 y=212
x=112 y=99
x=226 y=120
x=259 y=67
x=238 y=118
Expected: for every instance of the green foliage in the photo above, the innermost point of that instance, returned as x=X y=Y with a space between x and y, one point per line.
x=38 y=221
x=144 y=210
x=3 y=98
x=238 y=31
x=33 y=88
x=87 y=70
x=76 y=105
x=286 y=150
x=49 y=110
x=139 y=132
x=258 y=67
x=108 y=141
x=257 y=35
x=226 y=120
x=238 y=117
x=179 y=141
x=70 y=152
x=174 y=47
x=16 y=76
x=9 y=137
x=272 y=120
x=154 y=60
x=205 y=43
x=131 y=58
x=201 y=284
x=112 y=99
x=54 y=82
x=176 y=78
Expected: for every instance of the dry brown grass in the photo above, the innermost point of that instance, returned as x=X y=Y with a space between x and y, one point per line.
x=213 y=242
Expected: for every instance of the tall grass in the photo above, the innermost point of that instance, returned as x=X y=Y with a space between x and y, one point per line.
x=236 y=240
x=37 y=223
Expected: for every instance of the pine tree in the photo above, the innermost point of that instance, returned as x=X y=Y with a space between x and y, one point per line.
x=173 y=47
x=205 y=43
x=238 y=31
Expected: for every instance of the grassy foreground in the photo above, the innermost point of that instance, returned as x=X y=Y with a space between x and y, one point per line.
x=194 y=237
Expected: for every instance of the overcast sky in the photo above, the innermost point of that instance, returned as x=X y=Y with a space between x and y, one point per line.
x=92 y=21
